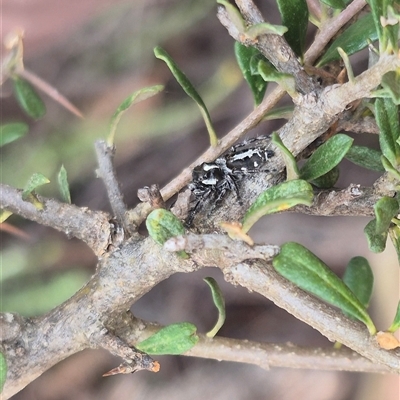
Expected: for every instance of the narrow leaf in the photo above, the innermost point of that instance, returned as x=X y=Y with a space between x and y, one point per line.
x=234 y=15
x=12 y=131
x=189 y=89
x=270 y=74
x=292 y=171
x=3 y=371
x=163 y=225
x=63 y=185
x=28 y=99
x=347 y=64
x=134 y=98
x=257 y=85
x=35 y=181
x=264 y=28
x=387 y=118
x=385 y=209
x=353 y=39
x=173 y=339
x=396 y=321
x=376 y=241
x=327 y=180
x=391 y=86
x=390 y=168
x=294 y=14
x=394 y=233
x=376 y=13
x=326 y=157
x=219 y=302
x=278 y=198
x=307 y=271
x=365 y=157
x=360 y=279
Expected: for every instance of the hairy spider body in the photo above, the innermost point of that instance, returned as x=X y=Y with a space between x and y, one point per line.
x=212 y=181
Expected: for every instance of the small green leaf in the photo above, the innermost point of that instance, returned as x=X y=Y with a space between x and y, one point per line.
x=4 y=214
x=257 y=85
x=63 y=185
x=134 y=98
x=391 y=86
x=3 y=371
x=376 y=13
x=327 y=180
x=173 y=339
x=376 y=241
x=163 y=225
x=326 y=157
x=385 y=209
x=28 y=99
x=284 y=112
x=365 y=157
x=353 y=39
x=35 y=181
x=390 y=168
x=264 y=28
x=292 y=171
x=234 y=15
x=394 y=233
x=396 y=321
x=12 y=131
x=347 y=64
x=219 y=302
x=387 y=118
x=278 y=198
x=189 y=89
x=269 y=73
x=294 y=15
x=360 y=279
x=307 y=271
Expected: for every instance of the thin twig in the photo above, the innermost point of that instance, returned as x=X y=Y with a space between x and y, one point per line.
x=106 y=171
x=330 y=28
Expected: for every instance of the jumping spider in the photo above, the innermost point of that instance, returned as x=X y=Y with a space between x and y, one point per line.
x=212 y=181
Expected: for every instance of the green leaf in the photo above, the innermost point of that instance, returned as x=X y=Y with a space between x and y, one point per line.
x=377 y=12
x=307 y=271
x=270 y=74
x=134 y=98
x=353 y=39
x=257 y=85
x=292 y=171
x=387 y=118
x=365 y=157
x=376 y=241
x=34 y=182
x=12 y=131
x=28 y=99
x=347 y=64
x=385 y=209
x=264 y=28
x=396 y=321
x=173 y=339
x=63 y=185
x=391 y=86
x=163 y=225
x=326 y=157
x=189 y=89
x=234 y=15
x=390 y=168
x=278 y=198
x=284 y=112
x=338 y=4
x=394 y=233
x=219 y=302
x=360 y=279
x=3 y=371
x=327 y=180
x=294 y=15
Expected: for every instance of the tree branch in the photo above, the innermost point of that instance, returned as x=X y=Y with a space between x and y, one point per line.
x=92 y=227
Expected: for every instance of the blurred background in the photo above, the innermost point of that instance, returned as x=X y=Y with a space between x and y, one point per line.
x=96 y=53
